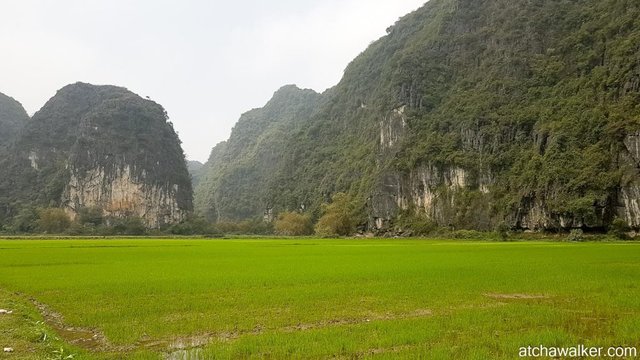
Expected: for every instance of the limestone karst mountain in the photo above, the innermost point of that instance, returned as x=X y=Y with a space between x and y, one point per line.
x=98 y=147
x=468 y=113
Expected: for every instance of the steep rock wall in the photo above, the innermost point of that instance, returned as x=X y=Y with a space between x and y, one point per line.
x=450 y=195
x=446 y=196
x=629 y=196
x=435 y=192
x=120 y=194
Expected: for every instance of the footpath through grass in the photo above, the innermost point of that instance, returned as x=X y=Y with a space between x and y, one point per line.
x=309 y=298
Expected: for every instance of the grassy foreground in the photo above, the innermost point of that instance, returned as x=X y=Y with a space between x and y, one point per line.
x=269 y=298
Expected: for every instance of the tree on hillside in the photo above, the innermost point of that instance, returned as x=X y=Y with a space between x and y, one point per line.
x=340 y=217
x=293 y=224
x=91 y=216
x=53 y=220
x=130 y=225
x=25 y=221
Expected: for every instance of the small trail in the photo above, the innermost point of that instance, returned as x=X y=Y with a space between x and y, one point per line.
x=86 y=338
x=190 y=347
x=95 y=341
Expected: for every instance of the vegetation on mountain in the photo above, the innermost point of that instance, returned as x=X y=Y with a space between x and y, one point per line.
x=248 y=175
x=195 y=169
x=531 y=101
x=12 y=119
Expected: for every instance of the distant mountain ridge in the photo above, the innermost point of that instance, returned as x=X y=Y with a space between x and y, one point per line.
x=195 y=170
x=467 y=114
x=247 y=168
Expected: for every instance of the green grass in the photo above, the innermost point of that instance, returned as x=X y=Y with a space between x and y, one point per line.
x=309 y=298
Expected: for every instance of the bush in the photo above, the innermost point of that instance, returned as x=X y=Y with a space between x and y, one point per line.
x=25 y=221
x=469 y=235
x=78 y=229
x=576 y=235
x=135 y=226
x=246 y=227
x=131 y=225
x=193 y=226
x=293 y=224
x=255 y=227
x=503 y=231
x=91 y=216
x=53 y=220
x=340 y=217
x=227 y=227
x=415 y=225
x=619 y=228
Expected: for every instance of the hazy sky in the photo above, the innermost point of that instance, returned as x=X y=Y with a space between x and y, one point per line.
x=206 y=62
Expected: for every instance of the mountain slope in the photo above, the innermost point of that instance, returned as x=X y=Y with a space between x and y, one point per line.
x=243 y=176
x=195 y=170
x=12 y=118
x=475 y=113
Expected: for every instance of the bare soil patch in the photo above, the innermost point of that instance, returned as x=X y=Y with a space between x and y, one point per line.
x=517 y=296
x=90 y=339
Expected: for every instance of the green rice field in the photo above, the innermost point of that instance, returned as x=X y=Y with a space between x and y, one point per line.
x=313 y=298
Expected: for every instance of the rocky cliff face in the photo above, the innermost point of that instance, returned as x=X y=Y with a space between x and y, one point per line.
x=470 y=114
x=121 y=194
x=438 y=193
x=628 y=201
x=100 y=147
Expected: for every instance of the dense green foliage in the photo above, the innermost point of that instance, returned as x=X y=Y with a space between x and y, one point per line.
x=309 y=298
x=12 y=119
x=534 y=99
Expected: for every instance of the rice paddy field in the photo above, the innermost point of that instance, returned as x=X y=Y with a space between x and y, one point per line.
x=313 y=298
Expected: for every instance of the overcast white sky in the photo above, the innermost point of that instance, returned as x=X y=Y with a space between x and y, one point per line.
x=206 y=62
